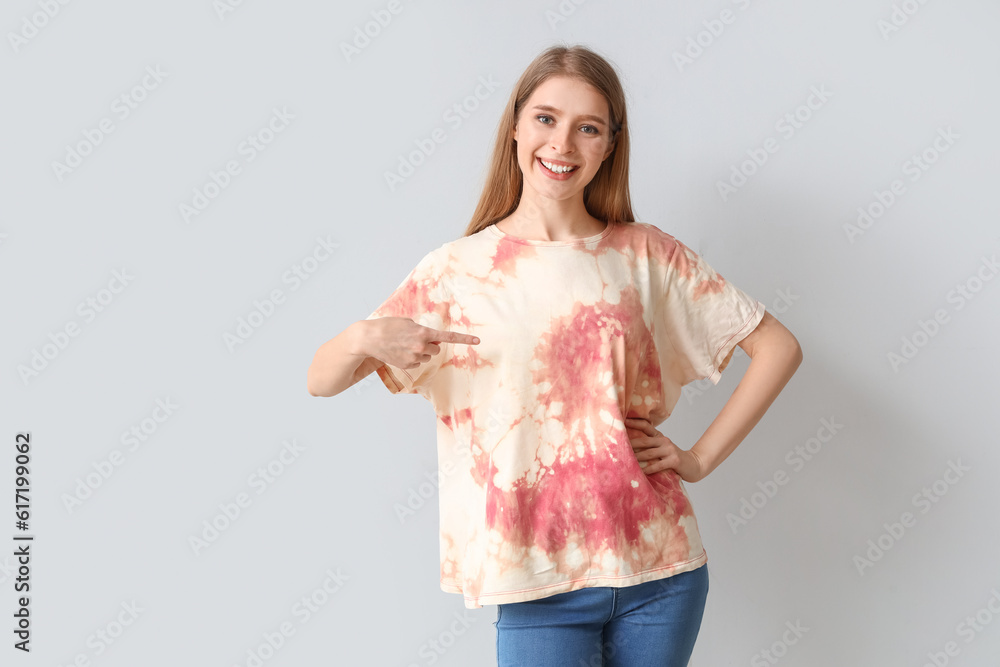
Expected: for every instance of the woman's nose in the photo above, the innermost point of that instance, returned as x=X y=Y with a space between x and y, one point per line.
x=562 y=142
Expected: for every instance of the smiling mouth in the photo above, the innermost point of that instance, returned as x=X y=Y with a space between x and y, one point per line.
x=556 y=168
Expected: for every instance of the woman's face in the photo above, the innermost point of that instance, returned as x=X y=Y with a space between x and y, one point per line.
x=565 y=122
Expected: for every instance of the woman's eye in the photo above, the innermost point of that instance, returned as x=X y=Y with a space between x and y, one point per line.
x=590 y=129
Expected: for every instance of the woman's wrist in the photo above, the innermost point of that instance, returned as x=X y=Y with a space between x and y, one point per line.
x=359 y=337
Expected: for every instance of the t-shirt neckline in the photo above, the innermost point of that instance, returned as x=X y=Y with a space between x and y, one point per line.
x=499 y=233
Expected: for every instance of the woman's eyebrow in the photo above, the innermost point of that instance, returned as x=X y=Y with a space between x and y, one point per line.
x=546 y=107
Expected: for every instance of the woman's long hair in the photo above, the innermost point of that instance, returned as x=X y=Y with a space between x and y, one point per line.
x=606 y=197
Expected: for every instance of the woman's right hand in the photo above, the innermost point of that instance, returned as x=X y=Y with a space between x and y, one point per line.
x=401 y=342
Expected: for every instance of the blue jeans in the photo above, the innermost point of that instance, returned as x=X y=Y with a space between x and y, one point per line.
x=650 y=624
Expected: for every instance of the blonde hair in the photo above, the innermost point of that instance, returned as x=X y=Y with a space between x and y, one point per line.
x=606 y=197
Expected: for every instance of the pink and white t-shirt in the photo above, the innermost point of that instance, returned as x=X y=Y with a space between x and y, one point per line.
x=540 y=491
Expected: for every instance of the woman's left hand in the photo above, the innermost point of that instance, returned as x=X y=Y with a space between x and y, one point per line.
x=657 y=452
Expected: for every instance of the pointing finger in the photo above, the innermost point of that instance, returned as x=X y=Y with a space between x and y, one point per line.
x=454 y=337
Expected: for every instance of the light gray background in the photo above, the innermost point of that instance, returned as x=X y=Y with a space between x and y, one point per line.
x=780 y=237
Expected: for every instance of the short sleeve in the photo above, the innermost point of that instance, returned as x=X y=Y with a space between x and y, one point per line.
x=422 y=297
x=703 y=316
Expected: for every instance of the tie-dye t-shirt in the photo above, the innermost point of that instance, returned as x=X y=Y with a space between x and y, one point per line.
x=540 y=491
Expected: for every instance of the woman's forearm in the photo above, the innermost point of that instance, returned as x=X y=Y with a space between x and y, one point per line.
x=340 y=362
x=773 y=363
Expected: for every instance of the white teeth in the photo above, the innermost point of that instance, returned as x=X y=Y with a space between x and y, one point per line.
x=556 y=168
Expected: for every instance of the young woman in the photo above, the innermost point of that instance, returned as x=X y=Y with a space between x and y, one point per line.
x=551 y=339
